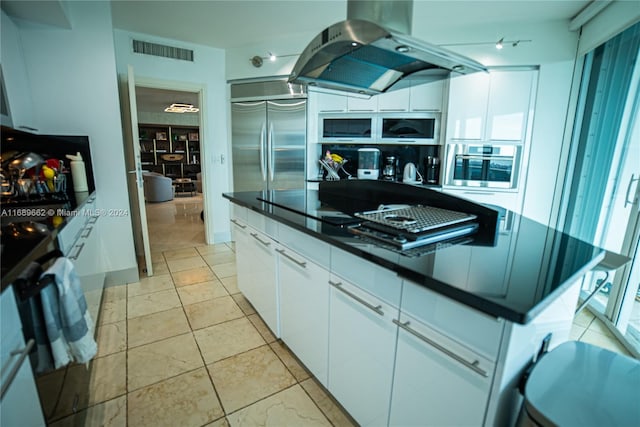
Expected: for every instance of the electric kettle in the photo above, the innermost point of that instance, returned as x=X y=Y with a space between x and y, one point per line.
x=409 y=175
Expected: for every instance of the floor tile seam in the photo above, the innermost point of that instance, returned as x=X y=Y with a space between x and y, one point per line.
x=313 y=378
x=214 y=324
x=331 y=398
x=264 y=398
x=286 y=366
x=129 y=391
x=206 y=299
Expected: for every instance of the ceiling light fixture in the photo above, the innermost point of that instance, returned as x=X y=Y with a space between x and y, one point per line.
x=181 y=108
x=258 y=60
x=498 y=45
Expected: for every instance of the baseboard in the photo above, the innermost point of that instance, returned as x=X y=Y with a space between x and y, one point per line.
x=121 y=277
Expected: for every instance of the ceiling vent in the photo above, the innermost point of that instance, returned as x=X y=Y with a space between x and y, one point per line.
x=162 y=50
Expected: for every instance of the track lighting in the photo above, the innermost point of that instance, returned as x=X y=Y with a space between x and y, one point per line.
x=258 y=60
x=499 y=44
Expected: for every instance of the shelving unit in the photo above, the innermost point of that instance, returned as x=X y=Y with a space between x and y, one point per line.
x=173 y=151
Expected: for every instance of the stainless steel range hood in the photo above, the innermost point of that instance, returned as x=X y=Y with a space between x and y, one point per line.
x=362 y=56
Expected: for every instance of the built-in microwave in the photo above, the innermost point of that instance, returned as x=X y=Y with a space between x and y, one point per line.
x=483 y=165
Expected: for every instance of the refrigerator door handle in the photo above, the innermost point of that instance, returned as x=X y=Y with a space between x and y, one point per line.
x=263 y=169
x=271 y=150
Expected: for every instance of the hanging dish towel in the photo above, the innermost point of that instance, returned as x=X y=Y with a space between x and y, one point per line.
x=68 y=322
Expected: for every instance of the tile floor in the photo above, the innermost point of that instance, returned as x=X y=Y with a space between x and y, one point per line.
x=185 y=348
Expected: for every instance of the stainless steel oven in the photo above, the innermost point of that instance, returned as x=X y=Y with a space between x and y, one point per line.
x=483 y=165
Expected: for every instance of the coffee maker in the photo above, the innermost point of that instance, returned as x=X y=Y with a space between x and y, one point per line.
x=432 y=170
x=390 y=168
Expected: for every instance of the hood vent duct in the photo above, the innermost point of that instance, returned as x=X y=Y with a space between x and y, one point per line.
x=361 y=56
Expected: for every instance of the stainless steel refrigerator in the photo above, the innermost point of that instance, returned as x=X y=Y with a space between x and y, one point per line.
x=269 y=144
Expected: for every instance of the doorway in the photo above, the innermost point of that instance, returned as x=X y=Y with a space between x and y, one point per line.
x=170 y=152
x=170 y=146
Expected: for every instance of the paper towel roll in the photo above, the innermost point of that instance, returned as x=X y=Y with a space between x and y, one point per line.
x=78 y=173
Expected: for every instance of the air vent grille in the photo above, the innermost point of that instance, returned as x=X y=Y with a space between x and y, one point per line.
x=155 y=49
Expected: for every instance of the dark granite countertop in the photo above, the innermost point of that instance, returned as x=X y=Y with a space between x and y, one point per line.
x=513 y=277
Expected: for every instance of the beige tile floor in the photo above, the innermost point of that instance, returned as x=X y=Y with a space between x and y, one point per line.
x=185 y=348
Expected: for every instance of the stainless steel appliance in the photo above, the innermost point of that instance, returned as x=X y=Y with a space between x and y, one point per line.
x=368 y=163
x=478 y=165
x=390 y=168
x=432 y=169
x=359 y=55
x=268 y=140
x=407 y=227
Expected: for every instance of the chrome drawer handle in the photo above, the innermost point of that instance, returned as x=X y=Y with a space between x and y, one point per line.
x=16 y=366
x=471 y=365
x=93 y=219
x=77 y=254
x=302 y=264
x=87 y=232
x=391 y=110
x=626 y=197
x=238 y=224
x=255 y=236
x=376 y=308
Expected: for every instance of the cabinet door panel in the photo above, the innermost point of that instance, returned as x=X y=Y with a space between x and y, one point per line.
x=262 y=285
x=395 y=101
x=431 y=388
x=361 y=352
x=331 y=103
x=468 y=97
x=304 y=310
x=508 y=107
x=362 y=105
x=427 y=97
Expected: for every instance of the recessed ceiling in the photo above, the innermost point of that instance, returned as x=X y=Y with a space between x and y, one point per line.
x=151 y=100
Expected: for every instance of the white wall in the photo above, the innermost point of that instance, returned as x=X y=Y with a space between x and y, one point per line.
x=72 y=80
x=206 y=71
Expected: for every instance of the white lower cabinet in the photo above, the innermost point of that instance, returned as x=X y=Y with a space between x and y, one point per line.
x=362 y=340
x=256 y=267
x=19 y=405
x=437 y=382
x=304 y=310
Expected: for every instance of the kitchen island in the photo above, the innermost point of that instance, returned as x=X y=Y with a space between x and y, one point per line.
x=437 y=334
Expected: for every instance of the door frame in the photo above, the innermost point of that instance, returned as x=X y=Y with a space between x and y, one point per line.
x=200 y=89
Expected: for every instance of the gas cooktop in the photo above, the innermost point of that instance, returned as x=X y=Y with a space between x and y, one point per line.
x=408 y=227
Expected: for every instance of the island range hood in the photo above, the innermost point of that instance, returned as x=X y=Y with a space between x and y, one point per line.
x=371 y=53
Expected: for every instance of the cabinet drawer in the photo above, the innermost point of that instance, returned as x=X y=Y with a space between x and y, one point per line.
x=473 y=329
x=262 y=223
x=239 y=212
x=310 y=247
x=379 y=282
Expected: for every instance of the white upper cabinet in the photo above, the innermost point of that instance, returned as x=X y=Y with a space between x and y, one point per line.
x=362 y=105
x=331 y=103
x=395 y=101
x=427 y=97
x=424 y=97
x=468 y=98
x=508 y=109
x=493 y=106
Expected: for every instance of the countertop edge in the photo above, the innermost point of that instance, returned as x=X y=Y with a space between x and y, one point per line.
x=459 y=295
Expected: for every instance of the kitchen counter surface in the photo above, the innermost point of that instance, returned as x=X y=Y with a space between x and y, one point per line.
x=513 y=273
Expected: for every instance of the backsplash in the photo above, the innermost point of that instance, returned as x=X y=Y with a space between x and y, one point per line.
x=416 y=154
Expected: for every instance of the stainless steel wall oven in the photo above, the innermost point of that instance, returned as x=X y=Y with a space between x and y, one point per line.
x=483 y=165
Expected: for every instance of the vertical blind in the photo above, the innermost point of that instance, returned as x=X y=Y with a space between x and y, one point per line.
x=609 y=80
